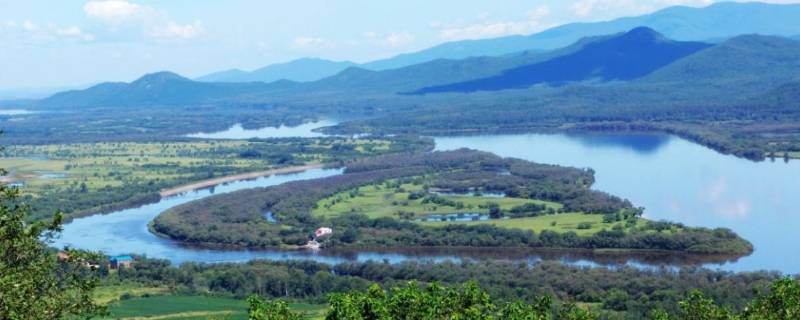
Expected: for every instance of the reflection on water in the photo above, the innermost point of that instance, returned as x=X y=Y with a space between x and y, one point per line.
x=679 y=181
x=643 y=143
x=14 y=112
x=673 y=179
x=305 y=130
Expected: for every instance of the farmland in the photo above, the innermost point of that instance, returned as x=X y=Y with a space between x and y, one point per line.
x=194 y=307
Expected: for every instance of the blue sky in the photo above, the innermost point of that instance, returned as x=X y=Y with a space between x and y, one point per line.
x=45 y=44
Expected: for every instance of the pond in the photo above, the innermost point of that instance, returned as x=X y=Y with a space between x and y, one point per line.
x=305 y=130
x=672 y=178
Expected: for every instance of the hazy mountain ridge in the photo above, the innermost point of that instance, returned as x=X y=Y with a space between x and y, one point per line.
x=715 y=22
x=300 y=70
x=160 y=88
x=623 y=57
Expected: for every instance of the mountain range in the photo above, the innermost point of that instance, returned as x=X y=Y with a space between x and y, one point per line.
x=642 y=55
x=160 y=88
x=301 y=70
x=627 y=56
x=715 y=23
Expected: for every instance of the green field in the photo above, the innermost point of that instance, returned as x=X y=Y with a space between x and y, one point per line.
x=194 y=307
x=387 y=200
x=563 y=222
x=111 y=293
x=83 y=177
x=378 y=201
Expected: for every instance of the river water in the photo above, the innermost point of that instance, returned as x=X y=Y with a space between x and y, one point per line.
x=680 y=181
x=672 y=178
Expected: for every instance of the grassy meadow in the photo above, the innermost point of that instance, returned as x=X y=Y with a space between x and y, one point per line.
x=76 y=178
x=194 y=308
x=377 y=201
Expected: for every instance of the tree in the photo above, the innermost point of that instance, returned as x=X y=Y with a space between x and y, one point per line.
x=494 y=211
x=33 y=284
x=259 y=309
x=783 y=302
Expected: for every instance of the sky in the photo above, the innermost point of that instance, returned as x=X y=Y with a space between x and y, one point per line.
x=67 y=43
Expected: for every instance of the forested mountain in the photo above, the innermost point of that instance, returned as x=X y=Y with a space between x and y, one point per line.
x=624 y=57
x=301 y=70
x=715 y=22
x=161 y=88
x=748 y=62
x=437 y=72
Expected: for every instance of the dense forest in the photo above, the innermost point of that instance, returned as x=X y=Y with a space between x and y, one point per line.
x=238 y=218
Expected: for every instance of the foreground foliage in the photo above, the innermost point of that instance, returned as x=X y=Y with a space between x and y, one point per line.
x=415 y=302
x=470 y=302
x=33 y=285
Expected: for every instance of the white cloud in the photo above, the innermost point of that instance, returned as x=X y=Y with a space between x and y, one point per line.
x=722 y=203
x=114 y=10
x=74 y=32
x=30 y=32
x=399 y=39
x=532 y=22
x=174 y=30
x=604 y=9
x=390 y=39
x=303 y=42
x=123 y=15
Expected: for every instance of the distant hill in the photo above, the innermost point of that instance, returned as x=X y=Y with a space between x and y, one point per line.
x=750 y=62
x=623 y=57
x=716 y=22
x=300 y=70
x=161 y=88
x=436 y=72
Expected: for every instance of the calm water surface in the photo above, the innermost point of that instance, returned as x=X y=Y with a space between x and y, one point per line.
x=14 y=112
x=304 y=130
x=674 y=179
x=679 y=181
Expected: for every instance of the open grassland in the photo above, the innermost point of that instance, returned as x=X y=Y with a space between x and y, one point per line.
x=194 y=307
x=86 y=178
x=390 y=200
x=111 y=293
x=581 y=224
x=384 y=200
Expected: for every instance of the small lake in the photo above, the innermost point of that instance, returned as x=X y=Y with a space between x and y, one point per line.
x=305 y=130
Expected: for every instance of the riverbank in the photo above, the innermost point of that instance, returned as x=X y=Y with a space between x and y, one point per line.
x=236 y=177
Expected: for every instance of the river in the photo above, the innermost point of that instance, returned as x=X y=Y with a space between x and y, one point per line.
x=672 y=178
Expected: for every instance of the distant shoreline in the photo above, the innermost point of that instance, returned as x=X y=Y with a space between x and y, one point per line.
x=236 y=177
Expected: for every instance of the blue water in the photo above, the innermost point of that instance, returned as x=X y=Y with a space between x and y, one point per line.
x=305 y=130
x=679 y=181
x=672 y=178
